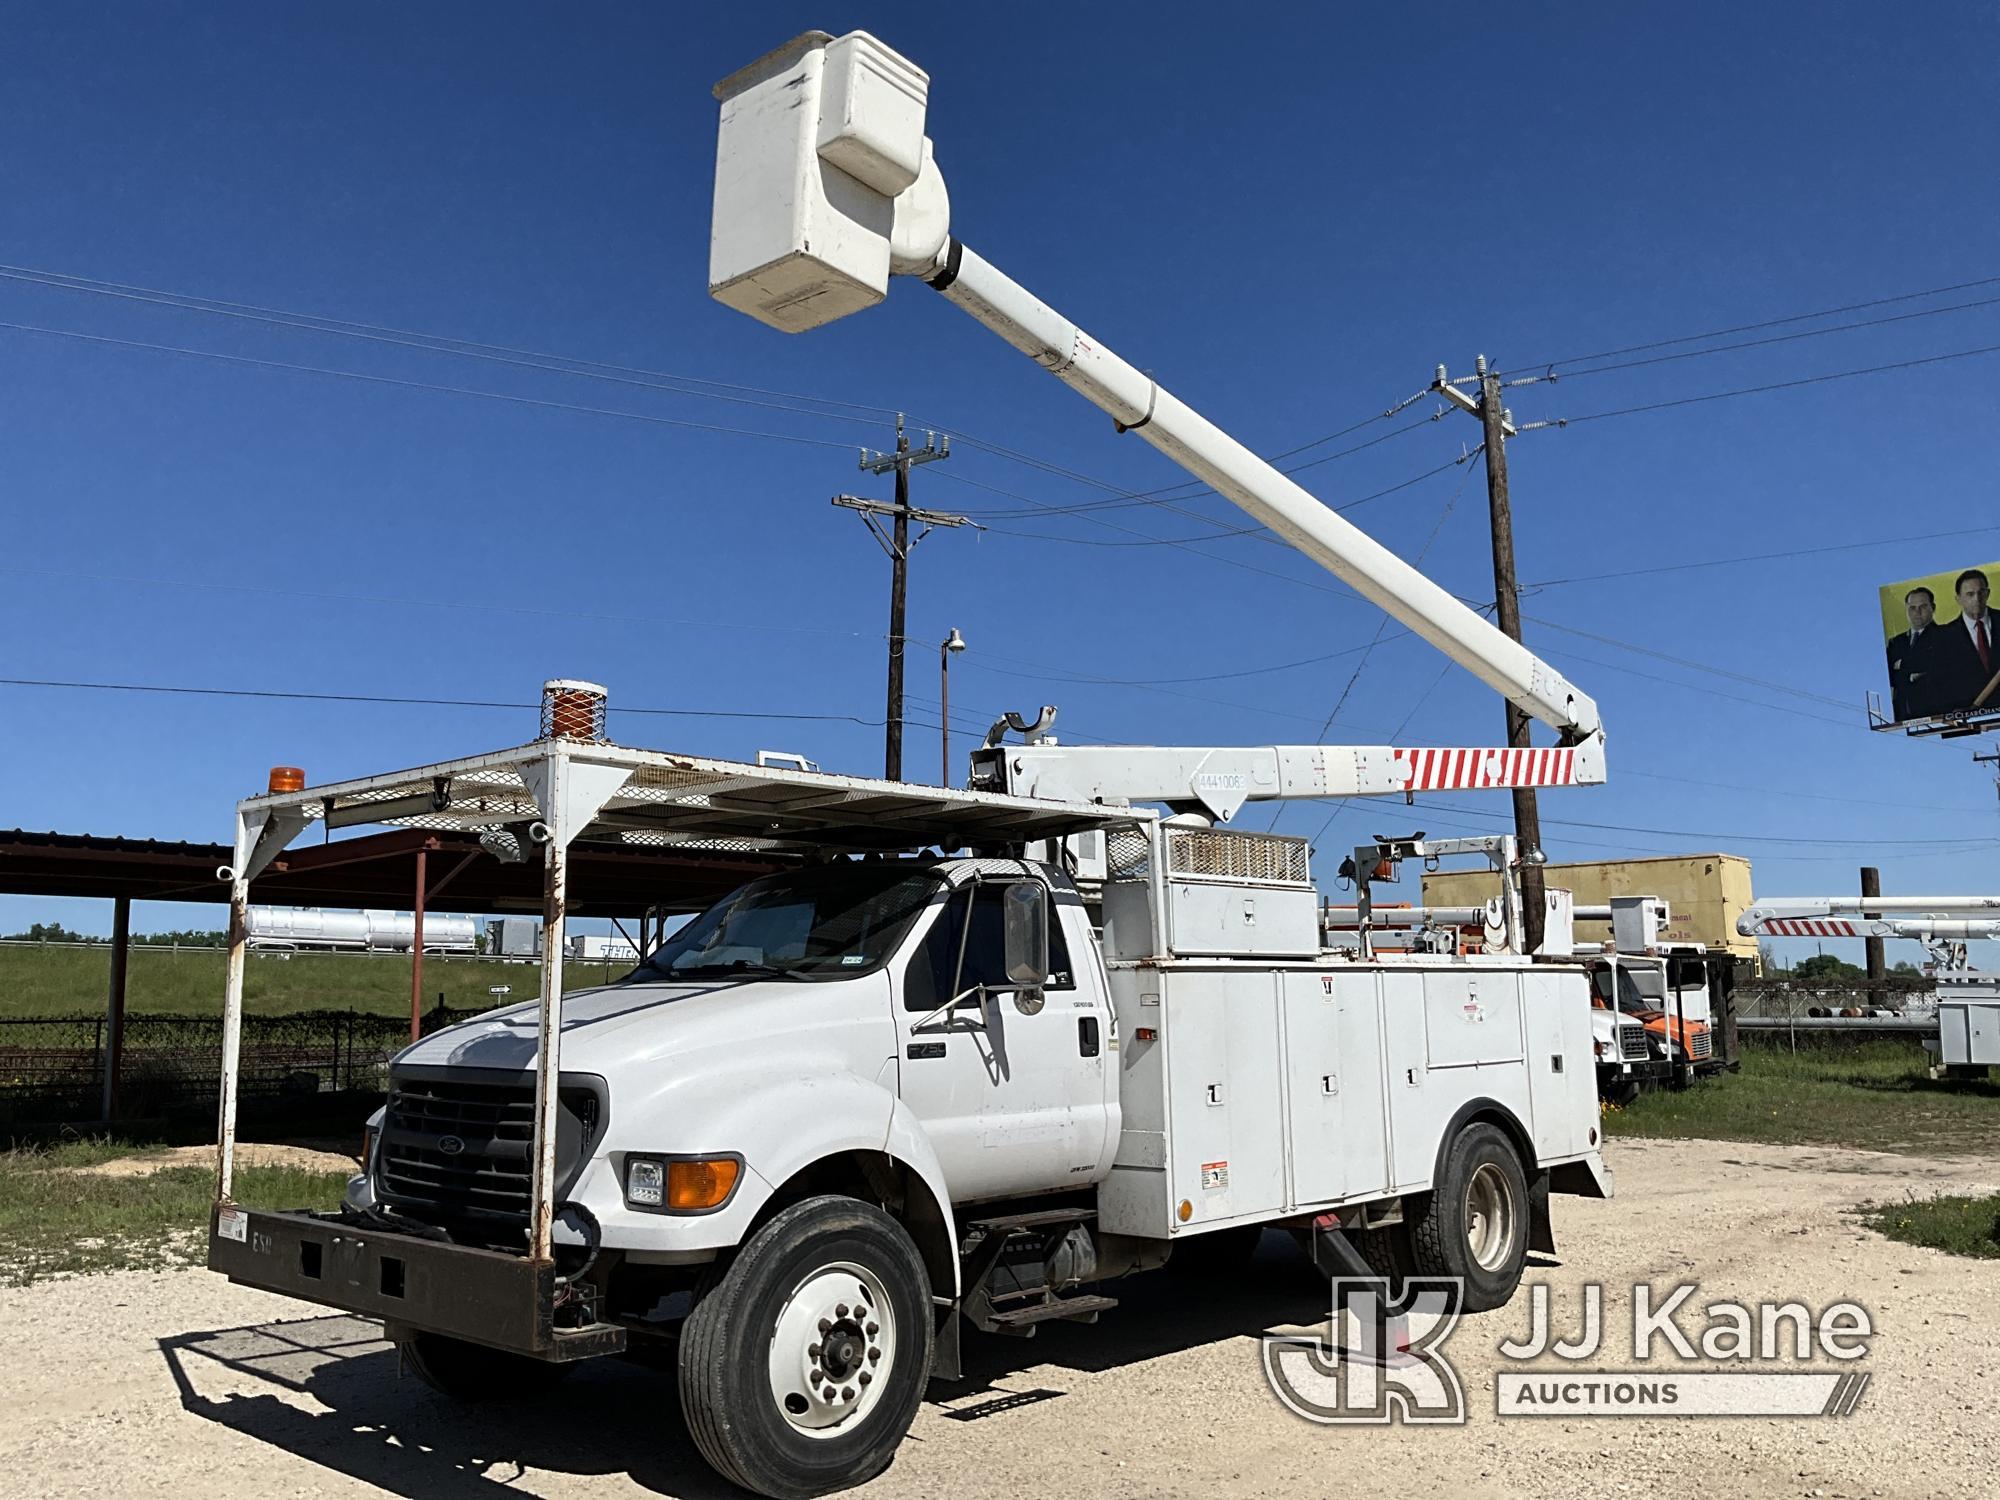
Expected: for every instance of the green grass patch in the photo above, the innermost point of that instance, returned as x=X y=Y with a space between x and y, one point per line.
x=57 y=1220
x=48 y=980
x=1873 y=1095
x=1959 y=1226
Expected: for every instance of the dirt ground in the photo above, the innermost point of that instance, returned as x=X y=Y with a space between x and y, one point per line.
x=176 y=1383
x=248 y=1154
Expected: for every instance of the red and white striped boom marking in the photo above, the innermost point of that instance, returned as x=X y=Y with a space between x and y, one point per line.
x=1472 y=770
x=1807 y=927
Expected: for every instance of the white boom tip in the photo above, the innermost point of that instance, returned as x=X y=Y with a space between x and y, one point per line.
x=824 y=182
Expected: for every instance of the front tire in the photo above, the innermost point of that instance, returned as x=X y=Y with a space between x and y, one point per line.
x=1475 y=1226
x=803 y=1367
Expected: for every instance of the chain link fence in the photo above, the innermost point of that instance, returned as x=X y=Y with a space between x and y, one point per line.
x=1781 y=996
x=52 y=1067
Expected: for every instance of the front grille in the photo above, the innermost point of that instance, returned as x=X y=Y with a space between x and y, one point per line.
x=1701 y=1046
x=457 y=1150
x=1632 y=1042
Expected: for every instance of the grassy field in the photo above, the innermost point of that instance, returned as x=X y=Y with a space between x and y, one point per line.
x=1962 y=1226
x=56 y=1218
x=1872 y=1094
x=61 y=981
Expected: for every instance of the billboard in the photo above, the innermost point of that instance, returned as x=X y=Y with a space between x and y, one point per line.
x=1943 y=646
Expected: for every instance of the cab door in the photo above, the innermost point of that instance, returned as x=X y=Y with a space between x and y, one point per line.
x=1011 y=1085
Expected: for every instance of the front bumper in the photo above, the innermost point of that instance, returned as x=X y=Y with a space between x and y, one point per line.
x=1649 y=1070
x=482 y=1296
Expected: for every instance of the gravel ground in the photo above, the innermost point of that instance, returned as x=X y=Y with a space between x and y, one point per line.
x=248 y=1154
x=176 y=1383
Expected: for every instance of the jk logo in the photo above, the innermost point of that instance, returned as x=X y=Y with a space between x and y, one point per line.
x=1378 y=1360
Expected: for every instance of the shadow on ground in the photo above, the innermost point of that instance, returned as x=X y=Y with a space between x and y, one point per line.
x=622 y=1418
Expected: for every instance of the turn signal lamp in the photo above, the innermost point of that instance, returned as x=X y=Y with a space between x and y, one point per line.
x=701 y=1184
x=287 y=779
x=1185 y=1211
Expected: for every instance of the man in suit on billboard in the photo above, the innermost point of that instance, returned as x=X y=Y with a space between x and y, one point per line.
x=1969 y=654
x=1914 y=659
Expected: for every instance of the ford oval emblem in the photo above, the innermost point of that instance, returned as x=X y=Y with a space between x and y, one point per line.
x=450 y=1145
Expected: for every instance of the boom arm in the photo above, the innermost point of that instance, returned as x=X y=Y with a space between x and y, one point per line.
x=1220 y=780
x=1871 y=916
x=826 y=185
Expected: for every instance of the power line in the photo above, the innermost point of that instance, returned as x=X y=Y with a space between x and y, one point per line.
x=1778 y=385
x=400 y=701
x=1773 y=791
x=1717 y=333
x=1782 y=338
x=1776 y=708
x=439 y=343
x=419 y=385
x=563 y=364
x=1128 y=498
x=1382 y=625
x=1682 y=661
x=1731 y=836
x=1751 y=557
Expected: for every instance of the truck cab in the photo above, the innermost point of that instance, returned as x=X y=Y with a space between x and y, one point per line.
x=876 y=997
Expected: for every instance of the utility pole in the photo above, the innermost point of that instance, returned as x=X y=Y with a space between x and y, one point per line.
x=898 y=543
x=1498 y=426
x=1877 y=958
x=1990 y=760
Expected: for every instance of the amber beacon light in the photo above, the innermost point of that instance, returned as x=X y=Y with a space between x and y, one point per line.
x=287 y=779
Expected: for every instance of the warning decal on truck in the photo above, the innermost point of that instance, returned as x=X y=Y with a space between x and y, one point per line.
x=1214 y=1175
x=232 y=1224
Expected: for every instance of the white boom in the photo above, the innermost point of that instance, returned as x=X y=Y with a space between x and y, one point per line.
x=826 y=186
x=1220 y=779
x=1917 y=917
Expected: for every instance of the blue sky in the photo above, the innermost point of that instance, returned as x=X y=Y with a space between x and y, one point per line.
x=1290 y=220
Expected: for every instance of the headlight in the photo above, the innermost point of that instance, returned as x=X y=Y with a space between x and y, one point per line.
x=645 y=1182
x=681 y=1185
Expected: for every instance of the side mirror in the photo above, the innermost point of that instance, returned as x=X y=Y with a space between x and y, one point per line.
x=1026 y=933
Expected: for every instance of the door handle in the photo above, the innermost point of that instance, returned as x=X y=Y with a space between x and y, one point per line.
x=1086 y=1036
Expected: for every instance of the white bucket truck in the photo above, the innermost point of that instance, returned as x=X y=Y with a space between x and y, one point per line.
x=902 y=1086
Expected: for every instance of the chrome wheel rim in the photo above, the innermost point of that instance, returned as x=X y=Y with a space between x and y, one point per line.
x=832 y=1349
x=1489 y=1217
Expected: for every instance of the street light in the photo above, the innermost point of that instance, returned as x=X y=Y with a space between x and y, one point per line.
x=953 y=644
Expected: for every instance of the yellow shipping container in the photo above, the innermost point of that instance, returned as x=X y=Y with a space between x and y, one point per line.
x=1705 y=893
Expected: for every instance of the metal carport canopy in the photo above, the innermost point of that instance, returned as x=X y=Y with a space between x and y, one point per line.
x=692 y=806
x=375 y=870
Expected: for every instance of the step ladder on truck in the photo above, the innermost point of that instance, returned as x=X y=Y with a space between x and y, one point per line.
x=1966 y=1000
x=904 y=1086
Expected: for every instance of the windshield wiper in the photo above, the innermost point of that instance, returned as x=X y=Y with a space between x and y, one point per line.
x=734 y=968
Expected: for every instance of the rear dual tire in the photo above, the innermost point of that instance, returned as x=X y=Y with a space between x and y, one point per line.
x=1474 y=1226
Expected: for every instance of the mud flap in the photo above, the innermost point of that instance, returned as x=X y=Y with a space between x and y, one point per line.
x=946 y=1361
x=1541 y=1231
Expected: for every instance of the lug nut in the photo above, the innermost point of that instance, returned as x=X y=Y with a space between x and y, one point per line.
x=873 y=1329
x=812 y=1351
x=847 y=1394
x=826 y=1325
x=865 y=1377
x=874 y=1356
x=840 y=1311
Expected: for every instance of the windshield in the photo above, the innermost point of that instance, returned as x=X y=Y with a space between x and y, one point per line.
x=827 y=923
